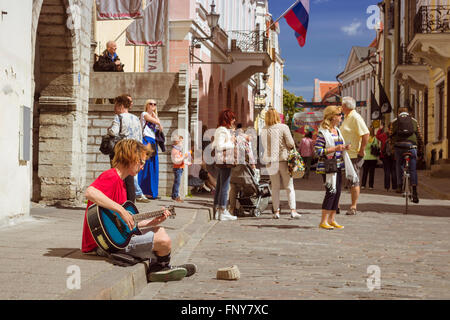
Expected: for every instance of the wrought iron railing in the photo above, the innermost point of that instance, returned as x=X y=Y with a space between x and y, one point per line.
x=432 y=19
x=248 y=41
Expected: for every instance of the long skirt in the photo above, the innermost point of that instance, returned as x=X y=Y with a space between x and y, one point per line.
x=148 y=177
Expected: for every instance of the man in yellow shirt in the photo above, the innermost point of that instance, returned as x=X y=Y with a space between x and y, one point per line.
x=355 y=133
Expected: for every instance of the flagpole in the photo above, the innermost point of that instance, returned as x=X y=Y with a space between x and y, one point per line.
x=283 y=14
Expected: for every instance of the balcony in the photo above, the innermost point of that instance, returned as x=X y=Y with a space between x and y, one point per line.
x=249 y=52
x=411 y=70
x=431 y=41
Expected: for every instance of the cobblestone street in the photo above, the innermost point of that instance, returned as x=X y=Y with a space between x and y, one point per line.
x=294 y=259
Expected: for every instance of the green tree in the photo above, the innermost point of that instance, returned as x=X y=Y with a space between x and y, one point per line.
x=289 y=101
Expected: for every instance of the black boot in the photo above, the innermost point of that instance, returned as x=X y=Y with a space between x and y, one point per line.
x=415 y=197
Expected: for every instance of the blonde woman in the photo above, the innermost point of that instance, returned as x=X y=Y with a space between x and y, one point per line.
x=277 y=141
x=149 y=177
x=330 y=144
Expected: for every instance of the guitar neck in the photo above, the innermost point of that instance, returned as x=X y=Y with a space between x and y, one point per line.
x=147 y=215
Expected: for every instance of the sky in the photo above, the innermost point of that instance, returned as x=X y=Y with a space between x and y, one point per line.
x=335 y=26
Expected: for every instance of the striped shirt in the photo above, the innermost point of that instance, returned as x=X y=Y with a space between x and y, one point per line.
x=319 y=150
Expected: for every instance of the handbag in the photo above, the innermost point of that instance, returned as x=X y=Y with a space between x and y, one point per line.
x=296 y=165
x=330 y=165
x=375 y=150
x=109 y=142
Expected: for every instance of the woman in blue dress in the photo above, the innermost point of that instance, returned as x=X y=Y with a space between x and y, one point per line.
x=149 y=177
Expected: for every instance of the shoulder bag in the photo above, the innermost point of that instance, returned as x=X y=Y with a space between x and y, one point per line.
x=109 y=142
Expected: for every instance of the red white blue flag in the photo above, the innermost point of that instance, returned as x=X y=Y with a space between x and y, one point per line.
x=297 y=18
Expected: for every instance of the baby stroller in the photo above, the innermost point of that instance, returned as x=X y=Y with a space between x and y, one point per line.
x=255 y=196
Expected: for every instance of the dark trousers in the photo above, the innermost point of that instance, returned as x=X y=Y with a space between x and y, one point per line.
x=390 y=173
x=331 y=200
x=307 y=161
x=369 y=170
x=131 y=190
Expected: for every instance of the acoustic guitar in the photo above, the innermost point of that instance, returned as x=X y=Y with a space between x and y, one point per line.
x=110 y=231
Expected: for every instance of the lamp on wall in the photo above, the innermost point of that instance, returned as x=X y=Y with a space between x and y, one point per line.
x=213 y=20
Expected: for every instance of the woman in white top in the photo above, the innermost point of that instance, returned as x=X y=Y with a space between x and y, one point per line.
x=224 y=143
x=149 y=177
x=277 y=141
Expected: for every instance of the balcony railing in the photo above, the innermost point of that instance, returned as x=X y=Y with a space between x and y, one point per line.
x=248 y=41
x=432 y=19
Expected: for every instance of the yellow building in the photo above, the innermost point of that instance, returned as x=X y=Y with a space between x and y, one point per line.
x=416 y=70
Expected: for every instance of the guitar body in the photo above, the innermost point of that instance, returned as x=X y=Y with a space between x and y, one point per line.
x=108 y=229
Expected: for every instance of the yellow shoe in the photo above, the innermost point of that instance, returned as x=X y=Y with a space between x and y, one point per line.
x=336 y=225
x=326 y=226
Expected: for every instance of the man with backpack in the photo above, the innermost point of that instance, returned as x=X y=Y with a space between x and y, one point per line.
x=406 y=137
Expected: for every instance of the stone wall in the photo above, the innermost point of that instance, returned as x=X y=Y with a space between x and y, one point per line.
x=169 y=92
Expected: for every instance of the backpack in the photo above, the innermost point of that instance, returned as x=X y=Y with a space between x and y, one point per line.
x=405 y=127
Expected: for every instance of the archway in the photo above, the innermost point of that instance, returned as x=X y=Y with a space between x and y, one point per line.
x=220 y=98
x=60 y=101
x=243 y=114
x=212 y=109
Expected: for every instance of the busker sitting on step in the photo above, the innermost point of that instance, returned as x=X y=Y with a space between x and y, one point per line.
x=108 y=191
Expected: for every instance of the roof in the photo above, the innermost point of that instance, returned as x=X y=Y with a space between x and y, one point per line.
x=321 y=88
x=363 y=52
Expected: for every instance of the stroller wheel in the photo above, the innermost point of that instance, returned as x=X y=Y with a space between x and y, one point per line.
x=256 y=212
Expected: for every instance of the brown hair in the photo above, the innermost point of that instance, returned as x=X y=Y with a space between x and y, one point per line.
x=123 y=100
x=272 y=117
x=225 y=118
x=128 y=152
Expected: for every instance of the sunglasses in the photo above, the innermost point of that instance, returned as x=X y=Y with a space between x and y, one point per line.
x=152 y=104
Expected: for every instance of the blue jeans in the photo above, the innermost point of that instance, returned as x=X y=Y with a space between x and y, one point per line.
x=399 y=163
x=176 y=183
x=138 y=188
x=222 y=187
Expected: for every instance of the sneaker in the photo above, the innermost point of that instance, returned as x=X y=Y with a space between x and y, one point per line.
x=167 y=274
x=276 y=215
x=295 y=215
x=191 y=268
x=225 y=215
x=142 y=198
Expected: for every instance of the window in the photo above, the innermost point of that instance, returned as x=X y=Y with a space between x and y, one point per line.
x=439 y=112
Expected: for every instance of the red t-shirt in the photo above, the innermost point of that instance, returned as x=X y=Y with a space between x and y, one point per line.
x=110 y=183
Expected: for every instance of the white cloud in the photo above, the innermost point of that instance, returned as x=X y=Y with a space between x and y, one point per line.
x=352 y=29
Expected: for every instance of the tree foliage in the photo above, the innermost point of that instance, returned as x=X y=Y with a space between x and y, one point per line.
x=289 y=101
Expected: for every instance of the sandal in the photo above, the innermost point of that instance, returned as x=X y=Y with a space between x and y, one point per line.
x=351 y=212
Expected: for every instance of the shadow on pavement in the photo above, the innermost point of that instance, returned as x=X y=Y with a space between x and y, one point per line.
x=72 y=253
